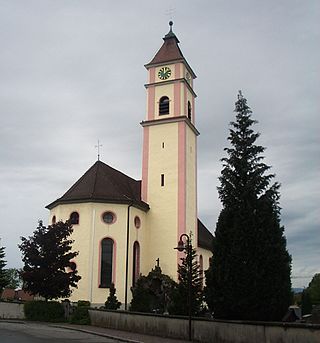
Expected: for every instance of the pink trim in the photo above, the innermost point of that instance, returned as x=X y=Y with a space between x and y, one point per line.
x=185 y=102
x=151 y=102
x=177 y=99
x=114 y=217
x=145 y=164
x=193 y=112
x=181 y=182
x=196 y=190
x=114 y=257
x=177 y=70
x=152 y=75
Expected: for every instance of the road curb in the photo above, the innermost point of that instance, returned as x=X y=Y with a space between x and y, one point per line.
x=120 y=339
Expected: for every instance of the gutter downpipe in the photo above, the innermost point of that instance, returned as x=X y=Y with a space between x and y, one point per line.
x=127 y=259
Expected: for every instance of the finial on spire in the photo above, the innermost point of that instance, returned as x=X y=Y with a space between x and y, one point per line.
x=170 y=24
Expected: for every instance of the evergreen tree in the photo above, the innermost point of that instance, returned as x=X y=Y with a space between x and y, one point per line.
x=249 y=274
x=314 y=289
x=180 y=299
x=47 y=254
x=3 y=274
x=14 y=278
x=112 y=302
x=306 y=304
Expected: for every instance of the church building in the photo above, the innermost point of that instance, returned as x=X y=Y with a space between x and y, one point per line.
x=124 y=227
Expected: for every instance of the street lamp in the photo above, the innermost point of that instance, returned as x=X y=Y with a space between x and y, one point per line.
x=188 y=248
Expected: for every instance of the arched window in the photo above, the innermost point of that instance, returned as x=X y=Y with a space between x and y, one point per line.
x=164 y=105
x=106 y=263
x=74 y=218
x=136 y=263
x=189 y=110
x=201 y=269
x=53 y=220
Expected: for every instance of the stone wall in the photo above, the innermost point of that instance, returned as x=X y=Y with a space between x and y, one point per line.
x=11 y=310
x=206 y=330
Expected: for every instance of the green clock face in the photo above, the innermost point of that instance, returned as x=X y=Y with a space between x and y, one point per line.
x=164 y=73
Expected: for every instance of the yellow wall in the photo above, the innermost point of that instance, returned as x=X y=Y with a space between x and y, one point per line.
x=88 y=235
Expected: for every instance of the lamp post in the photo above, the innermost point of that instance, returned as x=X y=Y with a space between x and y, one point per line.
x=188 y=248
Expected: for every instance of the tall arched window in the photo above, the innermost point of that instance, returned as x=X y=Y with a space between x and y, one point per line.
x=53 y=220
x=164 y=105
x=136 y=263
x=201 y=269
x=74 y=218
x=189 y=110
x=106 y=263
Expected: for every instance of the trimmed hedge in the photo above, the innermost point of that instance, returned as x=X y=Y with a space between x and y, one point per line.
x=44 y=311
x=80 y=316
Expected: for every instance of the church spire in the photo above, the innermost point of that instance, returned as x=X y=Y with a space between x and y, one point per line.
x=169 y=50
x=170 y=34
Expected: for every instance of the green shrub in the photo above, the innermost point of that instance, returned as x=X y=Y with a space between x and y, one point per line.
x=44 y=311
x=80 y=316
x=83 y=303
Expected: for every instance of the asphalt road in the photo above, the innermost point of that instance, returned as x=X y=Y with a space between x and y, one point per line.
x=41 y=333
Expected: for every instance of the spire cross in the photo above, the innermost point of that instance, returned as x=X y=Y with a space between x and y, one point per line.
x=170 y=11
x=98 y=147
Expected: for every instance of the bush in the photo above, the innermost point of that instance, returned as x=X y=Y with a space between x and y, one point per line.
x=44 y=311
x=80 y=316
x=83 y=303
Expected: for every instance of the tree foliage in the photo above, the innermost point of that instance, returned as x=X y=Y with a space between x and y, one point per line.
x=112 y=302
x=46 y=256
x=314 y=289
x=14 y=278
x=249 y=274
x=152 y=293
x=3 y=274
x=180 y=298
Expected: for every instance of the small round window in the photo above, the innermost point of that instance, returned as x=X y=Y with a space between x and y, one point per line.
x=108 y=217
x=137 y=222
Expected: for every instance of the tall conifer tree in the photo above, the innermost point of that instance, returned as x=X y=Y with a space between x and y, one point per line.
x=3 y=275
x=249 y=274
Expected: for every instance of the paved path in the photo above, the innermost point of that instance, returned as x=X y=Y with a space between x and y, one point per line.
x=123 y=336
x=31 y=332
x=28 y=332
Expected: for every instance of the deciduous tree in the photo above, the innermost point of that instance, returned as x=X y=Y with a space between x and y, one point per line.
x=46 y=256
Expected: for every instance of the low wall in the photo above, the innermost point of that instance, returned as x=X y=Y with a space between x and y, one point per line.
x=207 y=330
x=10 y=310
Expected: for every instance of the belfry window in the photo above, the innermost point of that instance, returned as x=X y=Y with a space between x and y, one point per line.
x=164 y=105
x=136 y=263
x=74 y=218
x=106 y=262
x=189 y=110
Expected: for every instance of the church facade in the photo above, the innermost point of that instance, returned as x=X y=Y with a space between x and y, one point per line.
x=124 y=227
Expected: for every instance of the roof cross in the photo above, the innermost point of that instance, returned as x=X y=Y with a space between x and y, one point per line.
x=170 y=11
x=98 y=147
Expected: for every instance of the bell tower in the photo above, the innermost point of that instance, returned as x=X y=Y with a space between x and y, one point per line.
x=169 y=163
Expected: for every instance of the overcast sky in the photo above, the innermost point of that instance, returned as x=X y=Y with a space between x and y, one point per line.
x=72 y=72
